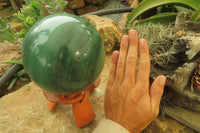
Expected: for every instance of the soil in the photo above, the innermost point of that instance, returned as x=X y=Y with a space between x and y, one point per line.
x=5 y=13
x=4 y=91
x=9 y=51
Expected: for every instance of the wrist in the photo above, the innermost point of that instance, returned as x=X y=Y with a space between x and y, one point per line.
x=126 y=126
x=109 y=126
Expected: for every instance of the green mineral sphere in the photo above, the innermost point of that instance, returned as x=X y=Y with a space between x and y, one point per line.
x=63 y=53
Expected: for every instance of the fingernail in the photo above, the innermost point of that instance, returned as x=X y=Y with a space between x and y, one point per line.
x=124 y=39
x=162 y=81
x=141 y=42
x=115 y=54
x=132 y=33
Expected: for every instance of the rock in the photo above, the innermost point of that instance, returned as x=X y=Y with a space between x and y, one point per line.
x=87 y=9
x=25 y=111
x=97 y=2
x=69 y=11
x=133 y=3
x=168 y=125
x=75 y=4
x=124 y=18
x=122 y=22
x=3 y=4
x=108 y=30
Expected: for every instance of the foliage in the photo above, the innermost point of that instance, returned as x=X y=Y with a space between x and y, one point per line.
x=5 y=31
x=196 y=15
x=13 y=62
x=150 y=4
x=28 y=16
x=54 y=6
x=10 y=9
x=18 y=75
x=34 y=11
x=159 y=18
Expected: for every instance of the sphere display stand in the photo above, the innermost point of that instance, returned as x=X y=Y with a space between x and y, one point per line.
x=81 y=106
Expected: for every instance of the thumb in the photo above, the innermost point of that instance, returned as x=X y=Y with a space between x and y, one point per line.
x=156 y=92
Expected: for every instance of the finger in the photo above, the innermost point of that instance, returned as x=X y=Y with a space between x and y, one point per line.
x=113 y=67
x=156 y=93
x=121 y=61
x=111 y=79
x=144 y=65
x=132 y=56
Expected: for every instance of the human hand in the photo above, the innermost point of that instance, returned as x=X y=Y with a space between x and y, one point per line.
x=128 y=99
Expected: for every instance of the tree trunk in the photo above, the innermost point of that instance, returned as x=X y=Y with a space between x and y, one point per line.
x=16 y=4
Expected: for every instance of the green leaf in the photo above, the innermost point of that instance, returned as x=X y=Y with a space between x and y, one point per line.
x=24 y=79
x=13 y=62
x=7 y=35
x=37 y=9
x=150 y=4
x=27 y=11
x=28 y=2
x=196 y=15
x=4 y=68
x=182 y=9
x=21 y=72
x=162 y=18
x=18 y=18
x=12 y=83
x=30 y=21
x=167 y=8
x=1 y=23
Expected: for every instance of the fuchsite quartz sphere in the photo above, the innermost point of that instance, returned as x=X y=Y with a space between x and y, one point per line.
x=63 y=53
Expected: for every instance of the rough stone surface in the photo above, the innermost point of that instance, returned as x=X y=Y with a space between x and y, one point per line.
x=87 y=9
x=122 y=22
x=25 y=111
x=108 y=30
x=75 y=4
x=69 y=11
x=98 y=2
x=168 y=125
x=3 y=4
x=133 y=3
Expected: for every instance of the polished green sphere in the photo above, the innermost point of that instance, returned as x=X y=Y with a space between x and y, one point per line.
x=63 y=53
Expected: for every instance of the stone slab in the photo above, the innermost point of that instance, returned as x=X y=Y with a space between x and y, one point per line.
x=25 y=110
x=187 y=117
